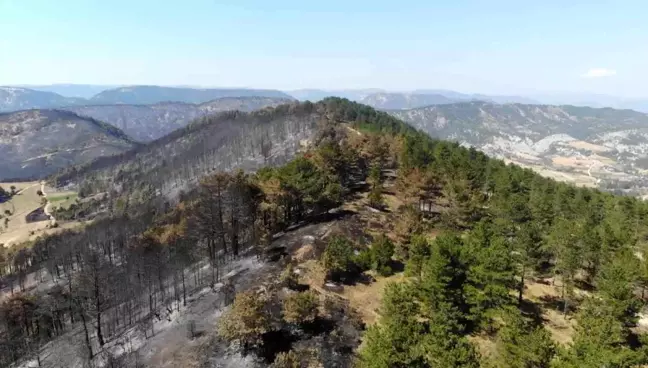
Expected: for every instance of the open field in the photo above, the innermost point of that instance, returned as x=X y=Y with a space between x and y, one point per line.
x=62 y=200
x=26 y=200
x=588 y=146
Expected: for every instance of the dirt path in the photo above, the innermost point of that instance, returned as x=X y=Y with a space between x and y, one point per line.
x=48 y=205
x=25 y=188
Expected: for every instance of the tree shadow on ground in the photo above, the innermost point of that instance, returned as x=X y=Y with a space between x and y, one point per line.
x=396 y=266
x=318 y=327
x=584 y=285
x=356 y=277
x=556 y=303
x=533 y=311
x=300 y=287
x=332 y=215
x=273 y=343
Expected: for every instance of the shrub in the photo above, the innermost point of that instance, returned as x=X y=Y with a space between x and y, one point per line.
x=247 y=321
x=337 y=256
x=382 y=251
x=301 y=307
x=288 y=277
x=363 y=260
x=286 y=360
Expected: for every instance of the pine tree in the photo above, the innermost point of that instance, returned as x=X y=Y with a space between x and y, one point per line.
x=337 y=257
x=395 y=340
x=523 y=345
x=443 y=281
x=490 y=274
x=375 y=181
x=382 y=251
x=566 y=247
x=419 y=252
x=599 y=341
x=528 y=253
x=616 y=285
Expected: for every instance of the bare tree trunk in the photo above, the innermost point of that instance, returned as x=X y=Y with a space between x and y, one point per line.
x=98 y=307
x=87 y=335
x=184 y=289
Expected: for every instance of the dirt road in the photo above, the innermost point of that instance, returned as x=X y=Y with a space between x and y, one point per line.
x=48 y=206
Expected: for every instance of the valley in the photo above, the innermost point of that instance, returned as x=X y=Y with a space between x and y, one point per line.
x=605 y=148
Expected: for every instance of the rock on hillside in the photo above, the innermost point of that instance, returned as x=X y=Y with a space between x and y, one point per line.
x=146 y=95
x=607 y=145
x=36 y=143
x=16 y=98
x=146 y=123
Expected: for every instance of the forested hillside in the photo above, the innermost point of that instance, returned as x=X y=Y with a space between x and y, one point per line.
x=460 y=240
x=37 y=143
x=145 y=123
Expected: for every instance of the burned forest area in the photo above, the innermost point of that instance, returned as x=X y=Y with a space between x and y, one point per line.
x=325 y=234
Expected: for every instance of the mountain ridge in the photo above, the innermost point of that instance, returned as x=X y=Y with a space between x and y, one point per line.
x=146 y=123
x=21 y=98
x=150 y=94
x=36 y=143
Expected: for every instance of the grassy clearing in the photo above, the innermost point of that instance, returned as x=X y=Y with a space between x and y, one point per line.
x=62 y=200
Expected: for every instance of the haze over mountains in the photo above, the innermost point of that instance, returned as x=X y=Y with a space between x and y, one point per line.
x=16 y=98
x=62 y=95
x=19 y=98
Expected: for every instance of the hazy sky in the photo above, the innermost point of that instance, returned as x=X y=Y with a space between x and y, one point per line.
x=487 y=46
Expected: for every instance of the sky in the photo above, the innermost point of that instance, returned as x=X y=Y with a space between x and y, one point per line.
x=479 y=46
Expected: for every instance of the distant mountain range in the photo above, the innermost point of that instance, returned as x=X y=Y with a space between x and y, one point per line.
x=36 y=143
x=145 y=123
x=145 y=95
x=315 y=95
x=16 y=98
x=62 y=95
x=381 y=99
x=582 y=144
x=71 y=90
x=19 y=98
